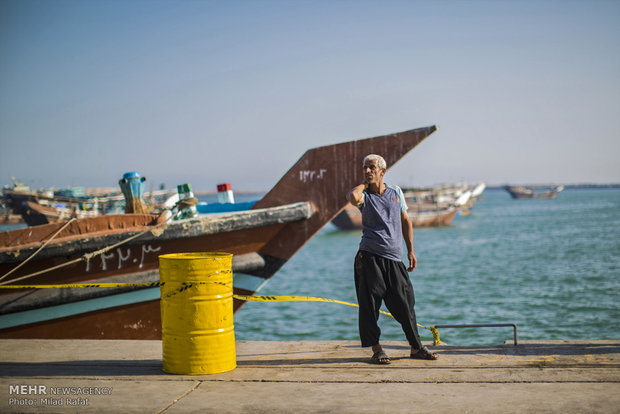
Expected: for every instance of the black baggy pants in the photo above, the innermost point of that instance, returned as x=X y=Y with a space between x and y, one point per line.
x=377 y=279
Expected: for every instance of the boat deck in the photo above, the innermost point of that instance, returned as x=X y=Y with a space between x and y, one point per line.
x=304 y=377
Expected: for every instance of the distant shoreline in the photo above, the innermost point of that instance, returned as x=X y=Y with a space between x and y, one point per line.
x=566 y=186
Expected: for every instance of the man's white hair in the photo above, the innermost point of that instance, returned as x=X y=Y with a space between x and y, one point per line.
x=380 y=161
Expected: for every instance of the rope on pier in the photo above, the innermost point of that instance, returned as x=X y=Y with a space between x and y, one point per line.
x=185 y=286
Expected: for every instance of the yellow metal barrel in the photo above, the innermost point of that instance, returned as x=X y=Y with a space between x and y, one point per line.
x=198 y=334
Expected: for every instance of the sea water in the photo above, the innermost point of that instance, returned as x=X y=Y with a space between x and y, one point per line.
x=552 y=267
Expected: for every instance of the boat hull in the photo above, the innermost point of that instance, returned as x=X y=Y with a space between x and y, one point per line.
x=123 y=312
x=103 y=249
x=350 y=218
x=135 y=320
x=433 y=218
x=526 y=192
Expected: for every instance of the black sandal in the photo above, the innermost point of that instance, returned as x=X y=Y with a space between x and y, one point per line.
x=380 y=357
x=424 y=353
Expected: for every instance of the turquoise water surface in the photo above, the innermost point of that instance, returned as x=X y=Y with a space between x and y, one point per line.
x=550 y=266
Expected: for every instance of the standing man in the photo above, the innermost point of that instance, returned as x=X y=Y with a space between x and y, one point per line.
x=380 y=274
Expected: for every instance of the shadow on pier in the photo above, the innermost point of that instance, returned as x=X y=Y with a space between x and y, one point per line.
x=563 y=354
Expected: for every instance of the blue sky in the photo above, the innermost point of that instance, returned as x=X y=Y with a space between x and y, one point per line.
x=212 y=91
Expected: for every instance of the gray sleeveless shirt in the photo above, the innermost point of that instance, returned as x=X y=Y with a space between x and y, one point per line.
x=381 y=225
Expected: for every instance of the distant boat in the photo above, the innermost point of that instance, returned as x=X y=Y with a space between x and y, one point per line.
x=34 y=213
x=476 y=193
x=433 y=218
x=531 y=192
x=444 y=196
x=7 y=214
x=427 y=206
x=350 y=218
x=98 y=249
x=7 y=217
x=43 y=207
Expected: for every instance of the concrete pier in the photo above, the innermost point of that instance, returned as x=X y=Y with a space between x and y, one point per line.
x=108 y=376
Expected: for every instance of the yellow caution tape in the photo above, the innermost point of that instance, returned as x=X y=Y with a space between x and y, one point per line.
x=433 y=330
x=82 y=285
x=299 y=299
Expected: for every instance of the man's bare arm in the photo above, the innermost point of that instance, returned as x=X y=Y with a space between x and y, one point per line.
x=407 y=228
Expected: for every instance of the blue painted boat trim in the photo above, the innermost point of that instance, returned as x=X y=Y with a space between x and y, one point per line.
x=224 y=207
x=75 y=308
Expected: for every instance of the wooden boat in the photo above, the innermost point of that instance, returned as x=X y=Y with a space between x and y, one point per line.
x=37 y=208
x=7 y=217
x=351 y=218
x=476 y=194
x=428 y=206
x=125 y=248
x=443 y=196
x=34 y=213
x=433 y=218
x=531 y=192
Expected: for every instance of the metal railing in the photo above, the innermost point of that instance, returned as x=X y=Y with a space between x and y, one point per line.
x=481 y=325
